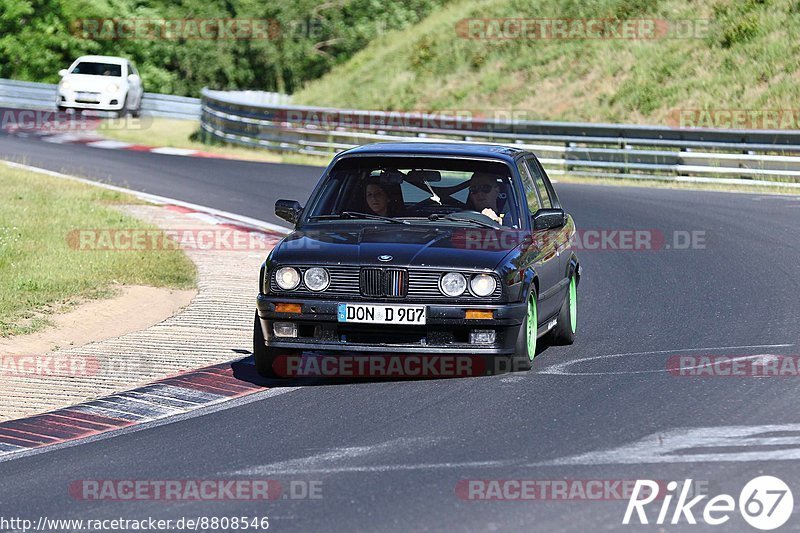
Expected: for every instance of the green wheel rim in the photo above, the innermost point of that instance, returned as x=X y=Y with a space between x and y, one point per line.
x=573 y=304
x=532 y=326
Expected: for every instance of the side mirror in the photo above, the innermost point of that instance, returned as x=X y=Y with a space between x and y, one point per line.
x=549 y=219
x=288 y=210
x=63 y=72
x=133 y=78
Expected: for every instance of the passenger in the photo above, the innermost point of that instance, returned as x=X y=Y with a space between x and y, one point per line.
x=484 y=189
x=384 y=199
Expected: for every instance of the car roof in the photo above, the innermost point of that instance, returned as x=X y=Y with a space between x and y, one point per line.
x=495 y=151
x=104 y=59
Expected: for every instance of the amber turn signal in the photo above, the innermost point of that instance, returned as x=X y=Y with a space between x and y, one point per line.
x=288 y=308
x=479 y=314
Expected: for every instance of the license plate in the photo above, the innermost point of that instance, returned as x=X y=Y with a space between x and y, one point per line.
x=88 y=96
x=382 y=314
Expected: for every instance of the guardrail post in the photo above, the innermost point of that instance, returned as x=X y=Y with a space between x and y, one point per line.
x=567 y=146
x=625 y=154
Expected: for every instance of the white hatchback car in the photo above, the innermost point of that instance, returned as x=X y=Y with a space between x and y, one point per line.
x=103 y=83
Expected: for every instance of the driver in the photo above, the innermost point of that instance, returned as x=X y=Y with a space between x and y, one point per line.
x=484 y=189
x=383 y=199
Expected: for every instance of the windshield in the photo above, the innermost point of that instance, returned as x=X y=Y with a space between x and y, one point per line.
x=91 y=68
x=428 y=189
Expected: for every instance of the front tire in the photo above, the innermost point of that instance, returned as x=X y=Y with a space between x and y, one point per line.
x=522 y=361
x=567 y=325
x=265 y=357
x=262 y=356
x=123 y=111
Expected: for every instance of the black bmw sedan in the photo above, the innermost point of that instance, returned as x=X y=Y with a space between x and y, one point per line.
x=412 y=249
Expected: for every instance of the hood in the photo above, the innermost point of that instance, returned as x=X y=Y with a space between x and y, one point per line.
x=408 y=246
x=94 y=84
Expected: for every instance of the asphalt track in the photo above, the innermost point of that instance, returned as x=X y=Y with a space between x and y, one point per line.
x=389 y=455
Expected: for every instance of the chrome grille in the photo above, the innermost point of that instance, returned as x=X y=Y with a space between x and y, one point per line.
x=417 y=285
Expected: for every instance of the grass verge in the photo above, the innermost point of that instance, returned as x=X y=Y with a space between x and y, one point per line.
x=41 y=274
x=177 y=133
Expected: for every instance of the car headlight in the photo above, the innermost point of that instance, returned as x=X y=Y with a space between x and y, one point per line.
x=316 y=279
x=453 y=284
x=112 y=87
x=66 y=85
x=287 y=278
x=483 y=284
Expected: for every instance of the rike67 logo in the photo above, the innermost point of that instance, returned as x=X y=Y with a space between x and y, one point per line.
x=765 y=503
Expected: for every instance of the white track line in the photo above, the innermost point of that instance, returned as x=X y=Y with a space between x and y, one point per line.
x=698 y=444
x=173 y=151
x=109 y=144
x=561 y=369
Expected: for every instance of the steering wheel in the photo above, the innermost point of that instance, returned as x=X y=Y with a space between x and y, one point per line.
x=475 y=215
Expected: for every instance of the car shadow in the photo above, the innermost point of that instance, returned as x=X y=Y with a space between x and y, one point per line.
x=245 y=370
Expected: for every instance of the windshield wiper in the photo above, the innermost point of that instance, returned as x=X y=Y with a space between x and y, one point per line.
x=435 y=216
x=356 y=214
x=434 y=196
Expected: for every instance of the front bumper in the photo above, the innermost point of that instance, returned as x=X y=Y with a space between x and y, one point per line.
x=446 y=330
x=105 y=101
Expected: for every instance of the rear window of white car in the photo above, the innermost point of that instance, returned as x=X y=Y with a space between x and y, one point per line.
x=98 y=69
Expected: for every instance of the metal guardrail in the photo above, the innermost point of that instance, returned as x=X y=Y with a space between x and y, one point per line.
x=757 y=157
x=32 y=95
